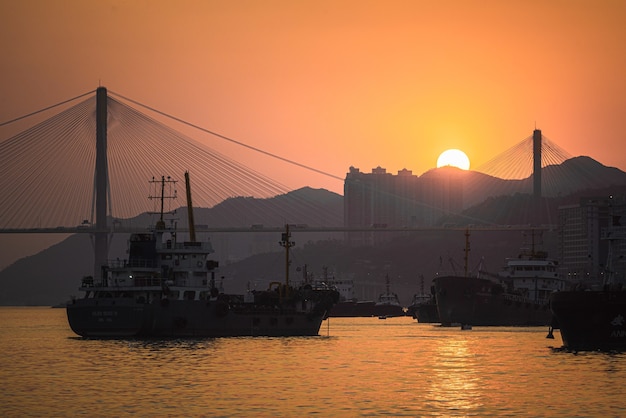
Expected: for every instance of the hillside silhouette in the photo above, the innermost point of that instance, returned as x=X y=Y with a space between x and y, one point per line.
x=571 y=176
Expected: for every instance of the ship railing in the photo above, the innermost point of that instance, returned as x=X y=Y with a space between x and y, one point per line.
x=121 y=284
x=316 y=285
x=187 y=245
x=447 y=273
x=136 y=263
x=148 y=281
x=524 y=299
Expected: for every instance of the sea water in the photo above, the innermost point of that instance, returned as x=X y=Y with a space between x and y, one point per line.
x=356 y=367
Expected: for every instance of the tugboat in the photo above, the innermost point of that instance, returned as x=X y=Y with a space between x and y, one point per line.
x=388 y=304
x=166 y=288
x=423 y=307
x=517 y=296
x=590 y=318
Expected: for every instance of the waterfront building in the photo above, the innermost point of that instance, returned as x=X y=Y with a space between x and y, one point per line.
x=584 y=247
x=389 y=203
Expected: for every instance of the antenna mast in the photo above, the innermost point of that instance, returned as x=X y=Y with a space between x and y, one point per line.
x=287 y=244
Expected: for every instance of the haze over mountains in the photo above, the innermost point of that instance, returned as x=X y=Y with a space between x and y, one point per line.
x=575 y=174
x=254 y=258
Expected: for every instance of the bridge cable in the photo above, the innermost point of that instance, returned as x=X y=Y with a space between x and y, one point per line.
x=232 y=140
x=46 y=108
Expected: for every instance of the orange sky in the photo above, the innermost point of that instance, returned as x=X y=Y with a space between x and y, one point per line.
x=332 y=84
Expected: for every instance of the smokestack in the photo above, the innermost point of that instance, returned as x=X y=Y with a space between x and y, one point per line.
x=537 y=163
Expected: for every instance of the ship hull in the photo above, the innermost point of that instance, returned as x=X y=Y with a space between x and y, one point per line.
x=427 y=313
x=108 y=317
x=591 y=320
x=179 y=318
x=480 y=302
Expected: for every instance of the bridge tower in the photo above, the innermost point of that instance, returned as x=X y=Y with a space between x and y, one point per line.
x=537 y=163
x=101 y=245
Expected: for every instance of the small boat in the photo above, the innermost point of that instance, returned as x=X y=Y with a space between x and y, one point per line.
x=423 y=307
x=388 y=305
x=516 y=296
x=348 y=305
x=166 y=288
x=595 y=318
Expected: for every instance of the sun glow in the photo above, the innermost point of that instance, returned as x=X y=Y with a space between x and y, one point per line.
x=453 y=158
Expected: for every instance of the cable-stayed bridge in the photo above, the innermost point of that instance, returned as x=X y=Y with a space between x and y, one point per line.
x=48 y=172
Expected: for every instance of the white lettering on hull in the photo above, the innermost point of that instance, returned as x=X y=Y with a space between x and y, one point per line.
x=618 y=333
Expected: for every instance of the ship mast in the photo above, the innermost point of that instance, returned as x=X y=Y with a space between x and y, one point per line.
x=161 y=222
x=192 y=225
x=160 y=225
x=287 y=244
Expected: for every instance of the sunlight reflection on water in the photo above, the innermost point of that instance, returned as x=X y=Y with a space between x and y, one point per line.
x=455 y=381
x=366 y=367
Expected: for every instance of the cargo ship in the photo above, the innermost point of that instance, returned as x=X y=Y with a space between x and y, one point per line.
x=517 y=296
x=166 y=288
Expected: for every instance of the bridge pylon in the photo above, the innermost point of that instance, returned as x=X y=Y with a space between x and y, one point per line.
x=537 y=163
x=101 y=245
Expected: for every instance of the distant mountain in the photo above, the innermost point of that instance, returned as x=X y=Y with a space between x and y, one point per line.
x=314 y=207
x=49 y=277
x=575 y=174
x=511 y=202
x=579 y=173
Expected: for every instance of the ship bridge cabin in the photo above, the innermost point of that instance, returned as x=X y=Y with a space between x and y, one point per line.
x=534 y=279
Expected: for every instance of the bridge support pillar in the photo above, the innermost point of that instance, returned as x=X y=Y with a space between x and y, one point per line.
x=101 y=246
x=537 y=163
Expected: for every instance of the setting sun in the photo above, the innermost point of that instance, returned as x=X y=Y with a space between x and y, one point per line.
x=454 y=158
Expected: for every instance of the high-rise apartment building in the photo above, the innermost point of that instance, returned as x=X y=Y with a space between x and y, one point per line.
x=592 y=239
x=383 y=201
